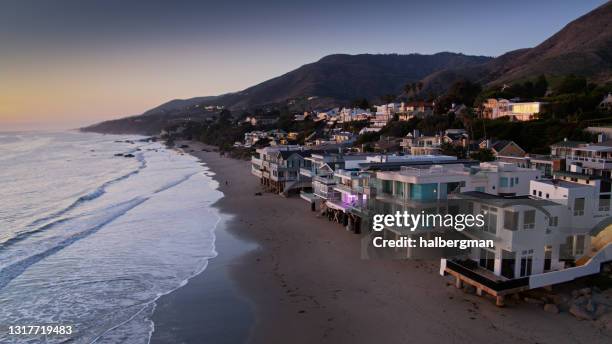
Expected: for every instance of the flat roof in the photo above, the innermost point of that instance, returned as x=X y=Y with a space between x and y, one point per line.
x=502 y=202
x=564 y=184
x=397 y=165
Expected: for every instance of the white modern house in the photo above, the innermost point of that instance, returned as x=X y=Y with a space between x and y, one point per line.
x=518 y=111
x=540 y=240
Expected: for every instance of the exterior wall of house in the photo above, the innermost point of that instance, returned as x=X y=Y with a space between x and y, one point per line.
x=511 y=149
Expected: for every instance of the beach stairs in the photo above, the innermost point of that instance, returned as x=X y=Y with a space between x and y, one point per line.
x=295 y=185
x=591 y=266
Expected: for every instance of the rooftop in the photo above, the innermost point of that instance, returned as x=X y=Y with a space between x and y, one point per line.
x=563 y=184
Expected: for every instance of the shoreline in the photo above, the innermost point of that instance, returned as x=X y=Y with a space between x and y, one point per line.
x=305 y=282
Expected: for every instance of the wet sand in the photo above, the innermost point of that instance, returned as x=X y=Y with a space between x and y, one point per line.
x=306 y=283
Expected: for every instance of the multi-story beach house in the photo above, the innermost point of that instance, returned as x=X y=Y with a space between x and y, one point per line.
x=278 y=167
x=357 y=186
x=551 y=236
x=321 y=173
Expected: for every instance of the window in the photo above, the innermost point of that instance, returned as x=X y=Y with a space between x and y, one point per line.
x=605 y=186
x=480 y=189
x=490 y=219
x=510 y=220
x=503 y=182
x=487 y=259
x=579 y=247
x=579 y=207
x=399 y=189
x=516 y=180
x=387 y=187
x=526 y=262
x=529 y=219
x=547 y=196
x=535 y=192
x=547 y=257
x=553 y=221
x=539 y=193
x=604 y=203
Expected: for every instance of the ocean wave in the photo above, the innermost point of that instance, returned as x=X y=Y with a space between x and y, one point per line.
x=10 y=272
x=96 y=193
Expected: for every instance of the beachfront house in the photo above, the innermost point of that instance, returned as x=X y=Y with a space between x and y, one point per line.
x=555 y=234
x=278 y=167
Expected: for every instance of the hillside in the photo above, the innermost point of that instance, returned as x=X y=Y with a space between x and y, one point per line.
x=582 y=47
x=344 y=78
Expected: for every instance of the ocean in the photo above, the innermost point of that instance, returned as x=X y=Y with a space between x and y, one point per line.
x=91 y=240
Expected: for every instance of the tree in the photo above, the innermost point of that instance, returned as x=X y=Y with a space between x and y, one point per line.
x=572 y=84
x=225 y=117
x=540 y=87
x=461 y=92
x=452 y=150
x=361 y=103
x=483 y=154
x=389 y=98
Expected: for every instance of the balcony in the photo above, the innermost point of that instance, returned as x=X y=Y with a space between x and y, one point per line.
x=343 y=188
x=256 y=172
x=327 y=180
x=306 y=172
x=327 y=194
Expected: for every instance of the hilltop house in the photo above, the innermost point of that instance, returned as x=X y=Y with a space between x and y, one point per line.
x=260 y=120
x=384 y=114
x=415 y=109
x=417 y=144
x=456 y=137
x=354 y=114
x=606 y=103
x=517 y=111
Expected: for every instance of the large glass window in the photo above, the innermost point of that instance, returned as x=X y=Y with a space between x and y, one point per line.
x=503 y=182
x=511 y=220
x=604 y=203
x=579 y=207
x=424 y=191
x=399 y=189
x=387 y=187
x=490 y=218
x=487 y=259
x=529 y=219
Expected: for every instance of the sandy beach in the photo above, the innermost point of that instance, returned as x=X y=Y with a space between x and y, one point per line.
x=304 y=282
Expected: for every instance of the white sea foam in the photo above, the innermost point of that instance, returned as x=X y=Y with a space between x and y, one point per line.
x=99 y=238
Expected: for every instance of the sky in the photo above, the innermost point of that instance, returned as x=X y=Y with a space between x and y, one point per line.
x=68 y=63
